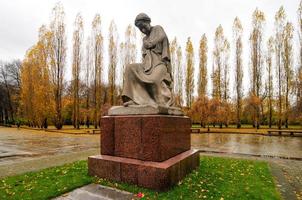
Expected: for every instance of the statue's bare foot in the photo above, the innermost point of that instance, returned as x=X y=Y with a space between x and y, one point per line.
x=129 y=103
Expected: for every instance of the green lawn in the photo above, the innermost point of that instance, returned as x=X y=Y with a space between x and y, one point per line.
x=216 y=178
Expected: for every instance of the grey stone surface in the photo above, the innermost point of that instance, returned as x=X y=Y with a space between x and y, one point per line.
x=149 y=82
x=144 y=110
x=96 y=192
x=24 y=150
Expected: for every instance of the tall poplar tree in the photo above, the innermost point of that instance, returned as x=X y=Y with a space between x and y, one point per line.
x=237 y=37
x=270 y=88
x=287 y=57
x=112 y=51
x=280 y=18
x=87 y=77
x=203 y=59
x=77 y=59
x=58 y=60
x=173 y=53
x=97 y=52
x=257 y=58
x=299 y=71
x=189 y=72
x=179 y=79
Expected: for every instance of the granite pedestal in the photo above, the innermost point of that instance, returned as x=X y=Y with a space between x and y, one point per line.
x=151 y=151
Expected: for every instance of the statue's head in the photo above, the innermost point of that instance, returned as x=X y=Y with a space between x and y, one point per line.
x=142 y=21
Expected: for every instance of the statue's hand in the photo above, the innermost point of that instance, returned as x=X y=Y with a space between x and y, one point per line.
x=148 y=45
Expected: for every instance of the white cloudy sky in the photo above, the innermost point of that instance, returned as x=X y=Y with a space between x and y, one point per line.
x=21 y=19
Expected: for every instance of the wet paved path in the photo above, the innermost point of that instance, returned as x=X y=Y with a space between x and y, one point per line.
x=271 y=146
x=24 y=144
x=26 y=150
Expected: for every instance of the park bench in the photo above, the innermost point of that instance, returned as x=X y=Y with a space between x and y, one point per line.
x=195 y=130
x=292 y=132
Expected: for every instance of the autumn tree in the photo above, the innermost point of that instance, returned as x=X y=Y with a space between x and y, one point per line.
x=112 y=51
x=179 y=78
x=5 y=79
x=173 y=49
x=256 y=40
x=58 y=60
x=220 y=79
x=27 y=89
x=237 y=37
x=10 y=88
x=97 y=52
x=189 y=72
x=77 y=59
x=45 y=89
x=225 y=78
x=279 y=31
x=299 y=71
x=35 y=79
x=13 y=70
x=200 y=111
x=217 y=71
x=36 y=86
x=287 y=58
x=203 y=59
x=87 y=81
x=128 y=49
x=269 y=64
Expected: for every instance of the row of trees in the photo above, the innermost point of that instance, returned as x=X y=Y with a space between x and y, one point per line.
x=45 y=96
x=37 y=90
x=271 y=99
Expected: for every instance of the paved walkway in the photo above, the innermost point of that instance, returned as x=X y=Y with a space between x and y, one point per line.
x=23 y=166
x=258 y=145
x=97 y=192
x=31 y=150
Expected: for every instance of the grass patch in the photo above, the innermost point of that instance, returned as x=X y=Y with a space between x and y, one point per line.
x=45 y=184
x=216 y=178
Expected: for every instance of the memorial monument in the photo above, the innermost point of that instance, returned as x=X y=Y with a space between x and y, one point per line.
x=146 y=141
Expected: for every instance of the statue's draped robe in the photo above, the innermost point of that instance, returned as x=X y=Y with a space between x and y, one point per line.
x=150 y=82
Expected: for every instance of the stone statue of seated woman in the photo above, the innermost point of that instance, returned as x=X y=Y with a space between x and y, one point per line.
x=147 y=86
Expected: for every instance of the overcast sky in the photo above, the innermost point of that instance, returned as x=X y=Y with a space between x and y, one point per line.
x=21 y=19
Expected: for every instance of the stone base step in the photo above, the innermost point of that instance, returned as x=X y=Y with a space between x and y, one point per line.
x=148 y=174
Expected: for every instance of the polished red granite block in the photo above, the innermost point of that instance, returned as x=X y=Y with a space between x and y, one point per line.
x=152 y=175
x=107 y=136
x=107 y=168
x=129 y=173
x=150 y=149
x=146 y=137
x=153 y=178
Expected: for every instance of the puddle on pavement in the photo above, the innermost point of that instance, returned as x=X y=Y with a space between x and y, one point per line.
x=249 y=144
